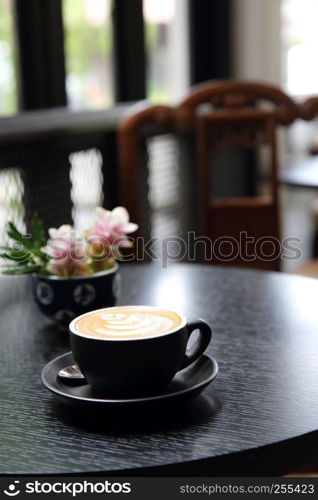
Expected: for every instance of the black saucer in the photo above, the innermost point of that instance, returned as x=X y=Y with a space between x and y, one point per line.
x=186 y=384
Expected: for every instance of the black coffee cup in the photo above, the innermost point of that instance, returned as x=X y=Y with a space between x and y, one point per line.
x=137 y=366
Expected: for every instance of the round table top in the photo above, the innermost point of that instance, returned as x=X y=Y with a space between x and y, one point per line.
x=259 y=416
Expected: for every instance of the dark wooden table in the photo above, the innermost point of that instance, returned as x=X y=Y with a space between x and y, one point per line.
x=260 y=416
x=301 y=174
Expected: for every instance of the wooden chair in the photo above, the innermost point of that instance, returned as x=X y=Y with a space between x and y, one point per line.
x=244 y=230
x=156 y=172
x=224 y=115
x=237 y=94
x=182 y=136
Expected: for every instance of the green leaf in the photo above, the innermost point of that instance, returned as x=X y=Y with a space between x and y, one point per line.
x=36 y=252
x=15 y=234
x=37 y=232
x=6 y=256
x=21 y=270
x=17 y=255
x=28 y=256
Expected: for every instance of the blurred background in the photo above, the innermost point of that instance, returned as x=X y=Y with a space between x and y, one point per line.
x=70 y=71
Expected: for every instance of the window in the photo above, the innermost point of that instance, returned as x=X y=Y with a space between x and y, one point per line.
x=165 y=39
x=8 y=99
x=88 y=53
x=97 y=37
x=300 y=41
x=300 y=72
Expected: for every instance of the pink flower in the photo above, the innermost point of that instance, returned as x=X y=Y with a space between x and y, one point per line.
x=111 y=228
x=74 y=253
x=66 y=249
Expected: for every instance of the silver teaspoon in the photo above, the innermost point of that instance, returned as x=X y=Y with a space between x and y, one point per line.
x=71 y=373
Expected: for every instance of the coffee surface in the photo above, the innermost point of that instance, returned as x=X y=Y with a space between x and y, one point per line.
x=127 y=322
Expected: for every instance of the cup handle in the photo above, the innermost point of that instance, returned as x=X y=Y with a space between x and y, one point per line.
x=202 y=342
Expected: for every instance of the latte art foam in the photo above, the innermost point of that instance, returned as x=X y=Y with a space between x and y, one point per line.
x=127 y=322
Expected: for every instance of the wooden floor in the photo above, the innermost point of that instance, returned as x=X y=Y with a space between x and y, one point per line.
x=311 y=471
x=310 y=269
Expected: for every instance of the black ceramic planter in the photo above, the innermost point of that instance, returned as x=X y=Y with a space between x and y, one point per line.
x=62 y=299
